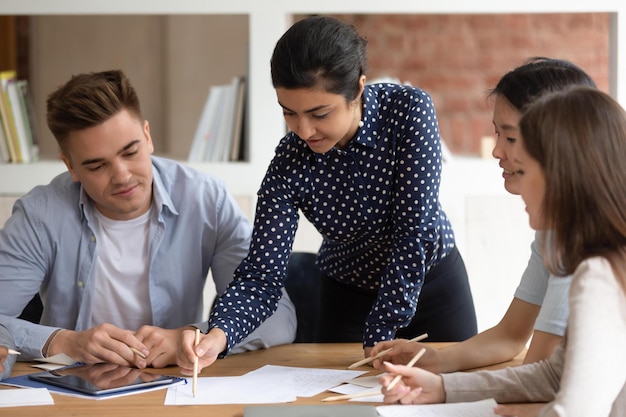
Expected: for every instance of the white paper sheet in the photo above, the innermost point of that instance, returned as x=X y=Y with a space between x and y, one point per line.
x=54 y=362
x=25 y=397
x=348 y=389
x=367 y=381
x=246 y=389
x=482 y=408
x=265 y=385
x=309 y=382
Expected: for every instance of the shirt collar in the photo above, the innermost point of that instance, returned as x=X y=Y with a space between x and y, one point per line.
x=161 y=197
x=368 y=127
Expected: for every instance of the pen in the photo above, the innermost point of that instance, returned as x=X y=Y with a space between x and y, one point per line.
x=384 y=352
x=137 y=352
x=351 y=396
x=14 y=352
x=411 y=363
x=195 y=366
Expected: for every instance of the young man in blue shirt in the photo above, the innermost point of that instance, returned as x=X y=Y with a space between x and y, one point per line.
x=120 y=246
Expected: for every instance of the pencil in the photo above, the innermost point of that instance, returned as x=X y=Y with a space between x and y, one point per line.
x=384 y=352
x=137 y=352
x=411 y=363
x=14 y=352
x=351 y=396
x=195 y=366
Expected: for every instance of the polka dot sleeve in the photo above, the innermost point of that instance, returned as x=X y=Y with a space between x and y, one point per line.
x=254 y=294
x=415 y=217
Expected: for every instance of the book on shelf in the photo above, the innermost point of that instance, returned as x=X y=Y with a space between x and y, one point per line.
x=204 y=137
x=201 y=136
x=7 y=116
x=22 y=126
x=213 y=153
x=220 y=130
x=5 y=155
x=28 y=108
x=17 y=119
x=238 y=137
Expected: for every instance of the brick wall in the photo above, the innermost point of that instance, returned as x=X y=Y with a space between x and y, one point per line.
x=458 y=58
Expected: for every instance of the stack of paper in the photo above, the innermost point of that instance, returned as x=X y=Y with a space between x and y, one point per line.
x=266 y=385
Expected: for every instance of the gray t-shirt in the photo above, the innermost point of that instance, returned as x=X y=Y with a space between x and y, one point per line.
x=539 y=287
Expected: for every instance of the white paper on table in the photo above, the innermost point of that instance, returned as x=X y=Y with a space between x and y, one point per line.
x=367 y=381
x=309 y=382
x=349 y=389
x=245 y=389
x=54 y=362
x=25 y=397
x=482 y=408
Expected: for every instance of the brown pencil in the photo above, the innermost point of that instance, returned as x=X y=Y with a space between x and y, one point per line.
x=195 y=366
x=384 y=352
x=411 y=363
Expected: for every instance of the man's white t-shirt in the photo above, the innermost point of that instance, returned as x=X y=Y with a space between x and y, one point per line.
x=120 y=293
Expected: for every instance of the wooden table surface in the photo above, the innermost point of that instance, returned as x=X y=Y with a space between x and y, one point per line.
x=150 y=404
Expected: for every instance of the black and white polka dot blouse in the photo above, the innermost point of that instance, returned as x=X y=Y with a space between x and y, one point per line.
x=376 y=204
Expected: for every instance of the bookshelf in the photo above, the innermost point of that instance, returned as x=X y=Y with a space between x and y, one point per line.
x=266 y=24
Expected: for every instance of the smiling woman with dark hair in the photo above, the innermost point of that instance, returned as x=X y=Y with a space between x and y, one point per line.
x=362 y=162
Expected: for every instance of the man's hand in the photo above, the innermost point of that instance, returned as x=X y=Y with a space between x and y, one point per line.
x=210 y=345
x=162 y=344
x=103 y=343
x=4 y=352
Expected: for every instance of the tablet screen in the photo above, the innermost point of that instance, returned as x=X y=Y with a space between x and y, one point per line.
x=101 y=378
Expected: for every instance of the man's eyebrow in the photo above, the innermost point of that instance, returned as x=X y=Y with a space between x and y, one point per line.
x=121 y=151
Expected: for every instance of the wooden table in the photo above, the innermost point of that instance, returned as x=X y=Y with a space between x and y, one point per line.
x=150 y=404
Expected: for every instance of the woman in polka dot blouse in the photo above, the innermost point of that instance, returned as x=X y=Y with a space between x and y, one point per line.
x=363 y=164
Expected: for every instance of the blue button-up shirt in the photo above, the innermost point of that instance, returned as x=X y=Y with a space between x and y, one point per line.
x=7 y=341
x=48 y=246
x=375 y=203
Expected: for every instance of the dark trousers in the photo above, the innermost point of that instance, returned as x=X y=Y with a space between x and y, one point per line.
x=445 y=309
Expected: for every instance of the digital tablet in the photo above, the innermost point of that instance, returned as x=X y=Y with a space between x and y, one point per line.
x=102 y=378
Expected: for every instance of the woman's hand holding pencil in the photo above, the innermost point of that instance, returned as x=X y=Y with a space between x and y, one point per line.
x=401 y=351
x=407 y=384
x=378 y=352
x=386 y=381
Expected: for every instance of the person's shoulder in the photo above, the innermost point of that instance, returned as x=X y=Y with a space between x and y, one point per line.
x=397 y=90
x=593 y=271
x=61 y=188
x=593 y=263
x=399 y=97
x=171 y=172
